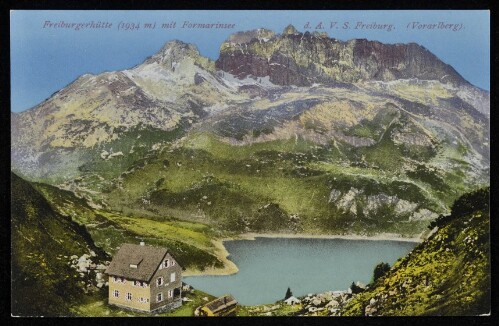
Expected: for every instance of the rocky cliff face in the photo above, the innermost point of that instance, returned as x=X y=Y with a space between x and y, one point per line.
x=294 y=58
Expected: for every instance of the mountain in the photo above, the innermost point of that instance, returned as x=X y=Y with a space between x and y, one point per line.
x=302 y=59
x=448 y=274
x=161 y=95
x=49 y=252
x=291 y=132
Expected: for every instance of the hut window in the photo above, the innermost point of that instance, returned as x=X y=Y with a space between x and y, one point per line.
x=170 y=293
x=116 y=293
x=139 y=283
x=159 y=281
x=166 y=263
x=128 y=296
x=172 y=277
x=159 y=297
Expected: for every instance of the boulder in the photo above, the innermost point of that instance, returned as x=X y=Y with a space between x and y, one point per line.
x=327 y=296
x=82 y=266
x=83 y=258
x=360 y=285
x=345 y=296
x=370 y=311
x=337 y=294
x=116 y=154
x=292 y=300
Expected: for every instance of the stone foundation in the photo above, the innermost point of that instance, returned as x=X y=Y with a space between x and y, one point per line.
x=167 y=307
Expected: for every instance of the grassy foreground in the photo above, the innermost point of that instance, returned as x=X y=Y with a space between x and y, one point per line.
x=448 y=274
x=97 y=307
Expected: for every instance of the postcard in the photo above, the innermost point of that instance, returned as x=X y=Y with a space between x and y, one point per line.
x=204 y=163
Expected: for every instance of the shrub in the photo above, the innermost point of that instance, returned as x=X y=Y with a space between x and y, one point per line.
x=355 y=288
x=380 y=270
x=466 y=204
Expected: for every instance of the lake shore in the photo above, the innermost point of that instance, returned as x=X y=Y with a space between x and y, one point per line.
x=231 y=268
x=378 y=237
x=221 y=253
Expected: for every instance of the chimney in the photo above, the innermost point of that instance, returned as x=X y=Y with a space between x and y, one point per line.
x=142 y=243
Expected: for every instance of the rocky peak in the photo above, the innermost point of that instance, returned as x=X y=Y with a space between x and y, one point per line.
x=247 y=36
x=320 y=34
x=290 y=30
x=174 y=51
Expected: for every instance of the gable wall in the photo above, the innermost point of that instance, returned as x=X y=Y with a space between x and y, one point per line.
x=167 y=285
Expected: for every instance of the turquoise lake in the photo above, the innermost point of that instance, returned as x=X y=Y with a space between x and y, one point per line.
x=268 y=266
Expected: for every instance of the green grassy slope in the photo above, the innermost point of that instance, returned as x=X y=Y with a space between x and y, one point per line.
x=229 y=187
x=449 y=274
x=45 y=236
x=189 y=242
x=43 y=283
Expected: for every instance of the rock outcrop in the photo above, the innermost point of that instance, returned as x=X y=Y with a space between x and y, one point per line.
x=371 y=204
